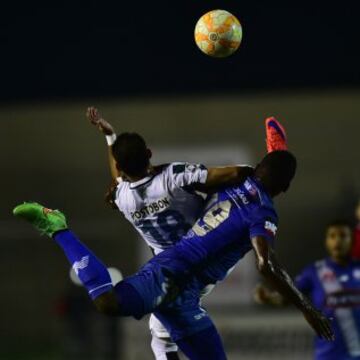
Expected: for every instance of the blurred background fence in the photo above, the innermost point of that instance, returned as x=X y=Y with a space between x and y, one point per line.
x=50 y=153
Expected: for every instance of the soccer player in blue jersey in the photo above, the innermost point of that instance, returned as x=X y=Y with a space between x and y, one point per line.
x=333 y=285
x=235 y=221
x=161 y=202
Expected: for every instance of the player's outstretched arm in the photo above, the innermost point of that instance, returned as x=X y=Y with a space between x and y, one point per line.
x=277 y=276
x=222 y=177
x=107 y=129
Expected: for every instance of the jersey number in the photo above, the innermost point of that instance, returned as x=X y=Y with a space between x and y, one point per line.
x=171 y=222
x=213 y=218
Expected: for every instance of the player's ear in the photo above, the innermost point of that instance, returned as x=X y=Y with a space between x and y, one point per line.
x=120 y=171
x=149 y=153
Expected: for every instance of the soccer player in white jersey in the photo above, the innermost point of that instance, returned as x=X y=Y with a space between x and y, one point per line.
x=162 y=202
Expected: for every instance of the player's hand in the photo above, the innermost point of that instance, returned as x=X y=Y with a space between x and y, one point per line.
x=262 y=295
x=96 y=119
x=319 y=322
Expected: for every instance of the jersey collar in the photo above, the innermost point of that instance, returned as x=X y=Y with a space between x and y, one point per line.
x=143 y=181
x=260 y=188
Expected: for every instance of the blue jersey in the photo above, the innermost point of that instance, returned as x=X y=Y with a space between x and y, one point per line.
x=335 y=290
x=222 y=235
x=217 y=241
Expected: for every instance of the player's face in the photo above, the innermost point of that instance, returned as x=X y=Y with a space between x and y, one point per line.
x=338 y=241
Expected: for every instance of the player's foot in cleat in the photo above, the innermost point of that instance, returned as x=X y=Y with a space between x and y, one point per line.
x=45 y=220
x=275 y=135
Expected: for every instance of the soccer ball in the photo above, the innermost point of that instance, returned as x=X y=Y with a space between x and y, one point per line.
x=218 y=33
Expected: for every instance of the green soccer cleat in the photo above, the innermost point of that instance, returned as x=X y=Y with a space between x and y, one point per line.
x=45 y=220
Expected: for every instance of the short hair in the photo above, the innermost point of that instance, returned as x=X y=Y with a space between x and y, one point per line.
x=338 y=223
x=277 y=169
x=131 y=154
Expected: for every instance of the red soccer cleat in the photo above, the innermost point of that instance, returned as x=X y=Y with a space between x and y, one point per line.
x=275 y=135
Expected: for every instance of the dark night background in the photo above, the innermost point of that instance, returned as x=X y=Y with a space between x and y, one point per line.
x=138 y=63
x=55 y=49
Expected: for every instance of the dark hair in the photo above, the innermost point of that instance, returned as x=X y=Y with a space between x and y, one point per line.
x=276 y=170
x=131 y=154
x=339 y=223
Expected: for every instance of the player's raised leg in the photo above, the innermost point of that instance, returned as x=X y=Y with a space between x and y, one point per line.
x=135 y=296
x=90 y=270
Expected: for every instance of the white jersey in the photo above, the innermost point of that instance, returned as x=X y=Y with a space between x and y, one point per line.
x=163 y=207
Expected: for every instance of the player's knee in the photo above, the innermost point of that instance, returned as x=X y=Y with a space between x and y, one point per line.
x=107 y=304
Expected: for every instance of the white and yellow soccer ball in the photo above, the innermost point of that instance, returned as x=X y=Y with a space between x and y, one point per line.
x=218 y=33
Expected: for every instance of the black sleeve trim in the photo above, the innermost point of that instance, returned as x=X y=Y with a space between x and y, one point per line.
x=179 y=168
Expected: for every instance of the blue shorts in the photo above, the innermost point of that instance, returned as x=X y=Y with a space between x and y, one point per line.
x=178 y=309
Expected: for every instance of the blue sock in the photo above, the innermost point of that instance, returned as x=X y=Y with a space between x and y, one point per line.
x=90 y=270
x=204 y=345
